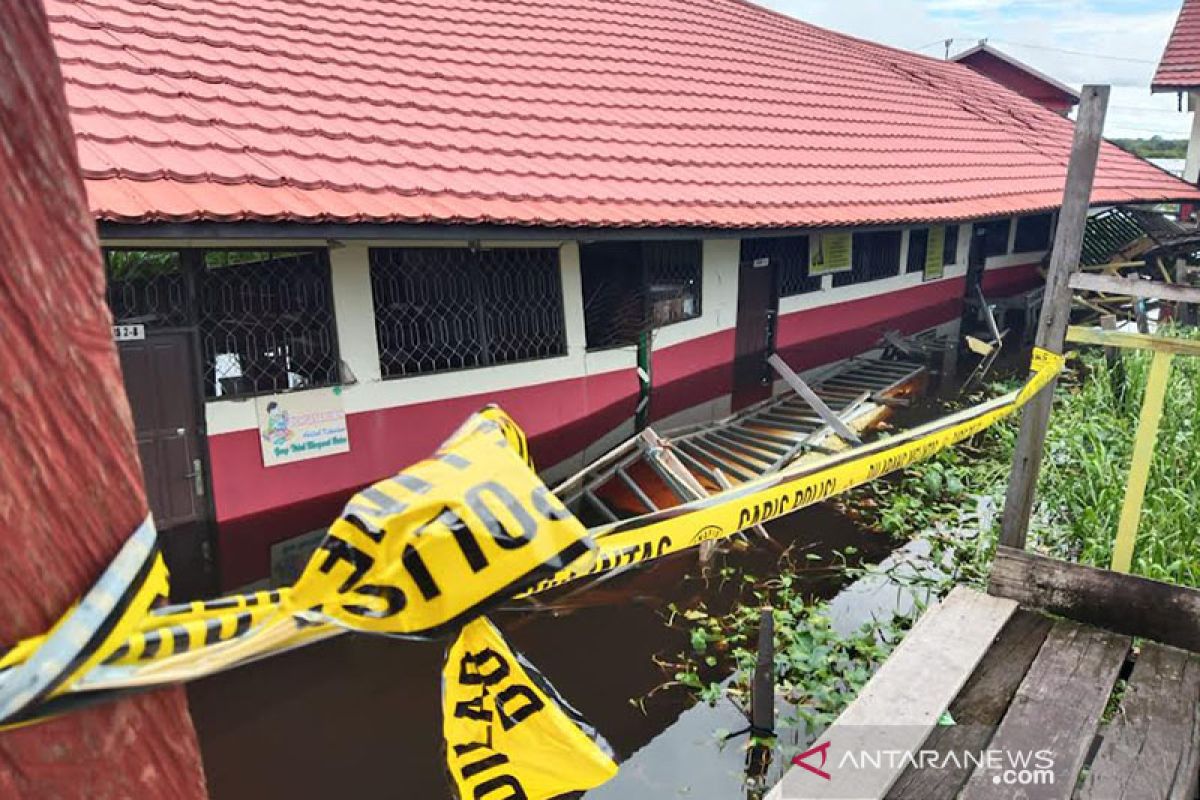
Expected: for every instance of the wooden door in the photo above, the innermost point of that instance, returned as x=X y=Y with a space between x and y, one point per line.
x=754 y=340
x=164 y=394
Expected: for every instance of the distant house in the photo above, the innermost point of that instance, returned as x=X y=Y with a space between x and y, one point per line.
x=334 y=230
x=1020 y=77
x=1179 y=71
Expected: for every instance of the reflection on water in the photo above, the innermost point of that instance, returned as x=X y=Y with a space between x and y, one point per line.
x=360 y=716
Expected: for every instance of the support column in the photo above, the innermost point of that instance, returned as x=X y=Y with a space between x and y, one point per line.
x=1056 y=311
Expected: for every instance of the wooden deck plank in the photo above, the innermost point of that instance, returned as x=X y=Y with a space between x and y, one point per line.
x=977 y=710
x=1151 y=748
x=1057 y=708
x=900 y=705
x=1120 y=603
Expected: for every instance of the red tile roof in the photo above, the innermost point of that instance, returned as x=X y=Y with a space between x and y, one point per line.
x=707 y=113
x=1180 y=65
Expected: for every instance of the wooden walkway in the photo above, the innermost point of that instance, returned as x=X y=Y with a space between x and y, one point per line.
x=1110 y=721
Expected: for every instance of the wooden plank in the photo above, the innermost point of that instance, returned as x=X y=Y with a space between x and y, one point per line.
x=1151 y=748
x=1055 y=712
x=801 y=388
x=1123 y=603
x=1056 y=310
x=1134 y=287
x=977 y=710
x=900 y=705
x=1143 y=455
x=1112 y=267
x=1133 y=341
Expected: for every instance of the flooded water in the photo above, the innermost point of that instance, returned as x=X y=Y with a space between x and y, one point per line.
x=360 y=716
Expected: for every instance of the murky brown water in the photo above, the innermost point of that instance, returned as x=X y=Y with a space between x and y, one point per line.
x=359 y=716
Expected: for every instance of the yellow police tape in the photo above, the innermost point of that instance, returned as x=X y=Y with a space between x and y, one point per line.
x=424 y=552
x=508 y=732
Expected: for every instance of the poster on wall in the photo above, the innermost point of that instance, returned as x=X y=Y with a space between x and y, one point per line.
x=935 y=256
x=830 y=252
x=300 y=426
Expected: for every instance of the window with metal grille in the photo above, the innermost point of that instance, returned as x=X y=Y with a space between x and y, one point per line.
x=148 y=287
x=264 y=318
x=266 y=322
x=439 y=309
x=995 y=236
x=789 y=256
x=630 y=287
x=672 y=280
x=918 y=248
x=950 y=246
x=1033 y=233
x=876 y=256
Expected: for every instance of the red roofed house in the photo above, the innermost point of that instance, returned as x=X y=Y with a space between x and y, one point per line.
x=1179 y=71
x=1020 y=77
x=335 y=229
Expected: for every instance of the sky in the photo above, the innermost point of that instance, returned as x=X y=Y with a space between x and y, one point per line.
x=1117 y=42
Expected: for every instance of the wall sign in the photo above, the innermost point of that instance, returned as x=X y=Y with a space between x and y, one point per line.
x=830 y=252
x=300 y=426
x=129 y=333
x=935 y=261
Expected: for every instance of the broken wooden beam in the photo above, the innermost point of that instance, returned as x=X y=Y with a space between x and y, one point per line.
x=1134 y=287
x=804 y=390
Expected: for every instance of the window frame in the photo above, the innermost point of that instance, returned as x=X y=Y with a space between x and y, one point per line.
x=1048 y=216
x=854 y=276
x=947 y=249
x=193 y=268
x=474 y=262
x=987 y=226
x=640 y=278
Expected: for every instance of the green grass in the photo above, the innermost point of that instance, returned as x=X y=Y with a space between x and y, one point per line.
x=1082 y=486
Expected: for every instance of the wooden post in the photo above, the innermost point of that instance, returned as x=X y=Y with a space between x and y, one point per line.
x=70 y=485
x=762 y=693
x=1143 y=454
x=1185 y=313
x=1056 y=310
x=1112 y=358
x=762 y=708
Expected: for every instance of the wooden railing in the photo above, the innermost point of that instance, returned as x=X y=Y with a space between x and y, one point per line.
x=1164 y=349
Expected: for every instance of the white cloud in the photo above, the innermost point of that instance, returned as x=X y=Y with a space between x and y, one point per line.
x=1113 y=44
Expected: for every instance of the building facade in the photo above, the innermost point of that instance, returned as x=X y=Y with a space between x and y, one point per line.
x=1020 y=77
x=334 y=230
x=407 y=338
x=1179 y=71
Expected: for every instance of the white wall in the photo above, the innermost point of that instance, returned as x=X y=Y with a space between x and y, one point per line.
x=1191 y=167
x=350 y=274
x=831 y=294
